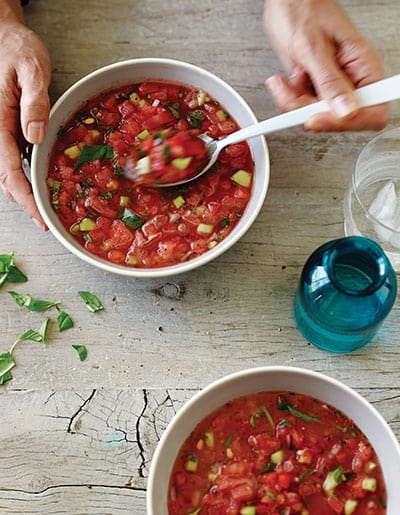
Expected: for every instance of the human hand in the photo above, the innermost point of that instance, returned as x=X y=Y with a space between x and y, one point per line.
x=24 y=103
x=326 y=58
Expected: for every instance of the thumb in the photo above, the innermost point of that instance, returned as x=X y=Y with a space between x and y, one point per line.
x=331 y=83
x=35 y=106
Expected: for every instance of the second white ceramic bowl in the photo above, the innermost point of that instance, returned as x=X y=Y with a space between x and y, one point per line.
x=250 y=381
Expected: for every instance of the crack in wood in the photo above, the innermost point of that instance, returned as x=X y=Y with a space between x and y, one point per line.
x=76 y=414
x=83 y=485
x=138 y=437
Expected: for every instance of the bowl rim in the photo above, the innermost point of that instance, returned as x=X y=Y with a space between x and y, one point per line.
x=238 y=232
x=233 y=378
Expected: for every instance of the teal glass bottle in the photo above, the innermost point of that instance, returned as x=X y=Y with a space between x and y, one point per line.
x=346 y=290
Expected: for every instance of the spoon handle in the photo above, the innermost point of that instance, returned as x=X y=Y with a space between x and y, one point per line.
x=379 y=92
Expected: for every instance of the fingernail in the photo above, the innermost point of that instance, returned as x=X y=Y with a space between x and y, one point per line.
x=313 y=124
x=35 y=132
x=343 y=105
x=273 y=82
x=41 y=225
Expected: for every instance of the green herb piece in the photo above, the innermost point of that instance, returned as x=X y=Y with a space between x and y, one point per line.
x=270 y=495
x=224 y=222
x=55 y=190
x=93 y=152
x=228 y=441
x=338 y=475
x=87 y=237
x=32 y=335
x=32 y=304
x=91 y=301
x=44 y=328
x=197 y=115
x=252 y=422
x=269 y=467
x=307 y=473
x=176 y=105
x=180 y=94
x=6 y=364
x=302 y=416
x=194 y=122
x=106 y=195
x=268 y=415
x=283 y=405
x=9 y=271
x=284 y=423
x=5 y=377
x=15 y=275
x=174 y=112
x=159 y=135
x=64 y=321
x=81 y=350
x=166 y=154
x=119 y=171
x=131 y=219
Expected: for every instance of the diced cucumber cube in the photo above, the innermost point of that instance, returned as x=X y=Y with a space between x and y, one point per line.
x=205 y=228
x=87 y=224
x=242 y=178
x=349 y=506
x=181 y=162
x=178 y=201
x=72 y=152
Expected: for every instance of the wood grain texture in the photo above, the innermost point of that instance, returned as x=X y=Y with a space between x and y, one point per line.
x=77 y=437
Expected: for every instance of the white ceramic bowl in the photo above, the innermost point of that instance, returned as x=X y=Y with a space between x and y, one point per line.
x=131 y=71
x=254 y=380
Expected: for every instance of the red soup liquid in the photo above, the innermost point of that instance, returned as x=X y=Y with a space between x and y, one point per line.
x=131 y=223
x=276 y=453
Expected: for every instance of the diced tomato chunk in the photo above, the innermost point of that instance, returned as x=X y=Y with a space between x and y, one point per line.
x=120 y=235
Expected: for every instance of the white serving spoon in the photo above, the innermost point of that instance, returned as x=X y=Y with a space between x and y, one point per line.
x=379 y=92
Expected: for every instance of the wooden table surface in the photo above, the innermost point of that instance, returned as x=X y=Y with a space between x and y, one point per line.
x=78 y=437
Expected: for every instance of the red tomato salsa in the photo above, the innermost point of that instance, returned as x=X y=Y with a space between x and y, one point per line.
x=276 y=453
x=134 y=224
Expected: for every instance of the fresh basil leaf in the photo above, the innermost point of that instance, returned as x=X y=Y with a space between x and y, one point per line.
x=43 y=329
x=41 y=305
x=5 y=377
x=21 y=300
x=93 y=152
x=6 y=260
x=32 y=304
x=91 y=301
x=8 y=270
x=131 y=219
x=15 y=275
x=6 y=363
x=30 y=334
x=3 y=278
x=81 y=350
x=64 y=321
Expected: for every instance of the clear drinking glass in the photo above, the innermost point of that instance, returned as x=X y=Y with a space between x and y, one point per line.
x=372 y=201
x=346 y=290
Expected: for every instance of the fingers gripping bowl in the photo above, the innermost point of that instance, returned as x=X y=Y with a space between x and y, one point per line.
x=142 y=74
x=175 y=480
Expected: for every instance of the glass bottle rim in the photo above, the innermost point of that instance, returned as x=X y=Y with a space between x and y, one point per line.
x=365 y=247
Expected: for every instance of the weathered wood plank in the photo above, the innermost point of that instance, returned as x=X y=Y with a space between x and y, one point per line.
x=83 y=451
